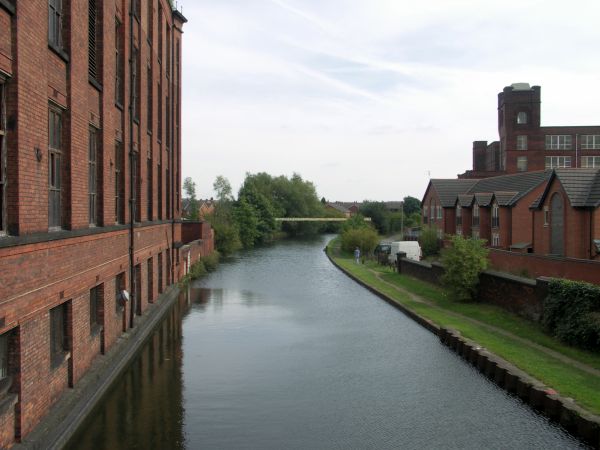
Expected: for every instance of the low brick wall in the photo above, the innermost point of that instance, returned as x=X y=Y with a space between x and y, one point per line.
x=518 y=295
x=546 y=266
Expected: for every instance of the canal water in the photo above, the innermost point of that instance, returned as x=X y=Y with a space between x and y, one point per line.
x=280 y=350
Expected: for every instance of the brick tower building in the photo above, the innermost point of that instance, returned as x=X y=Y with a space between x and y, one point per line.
x=90 y=168
x=525 y=145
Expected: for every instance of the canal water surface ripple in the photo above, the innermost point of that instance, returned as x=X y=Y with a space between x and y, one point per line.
x=280 y=350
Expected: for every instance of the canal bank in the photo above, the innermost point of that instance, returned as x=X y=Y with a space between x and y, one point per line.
x=68 y=413
x=543 y=399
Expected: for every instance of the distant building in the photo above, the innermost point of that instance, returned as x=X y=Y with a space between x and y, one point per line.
x=338 y=208
x=525 y=145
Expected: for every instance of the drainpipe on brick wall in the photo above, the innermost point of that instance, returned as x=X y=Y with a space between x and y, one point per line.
x=132 y=171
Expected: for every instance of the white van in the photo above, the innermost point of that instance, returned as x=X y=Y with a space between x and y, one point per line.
x=411 y=248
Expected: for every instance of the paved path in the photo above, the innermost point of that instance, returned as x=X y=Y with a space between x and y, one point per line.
x=554 y=354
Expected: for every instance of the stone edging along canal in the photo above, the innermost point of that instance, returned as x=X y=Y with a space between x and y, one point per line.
x=542 y=399
x=74 y=406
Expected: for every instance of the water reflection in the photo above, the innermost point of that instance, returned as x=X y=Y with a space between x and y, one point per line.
x=145 y=409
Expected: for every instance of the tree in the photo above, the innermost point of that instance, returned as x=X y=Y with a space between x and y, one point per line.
x=365 y=238
x=463 y=261
x=247 y=221
x=222 y=188
x=429 y=241
x=189 y=188
x=379 y=215
x=227 y=235
x=411 y=205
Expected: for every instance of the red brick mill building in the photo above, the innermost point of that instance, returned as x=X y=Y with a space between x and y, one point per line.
x=534 y=196
x=90 y=170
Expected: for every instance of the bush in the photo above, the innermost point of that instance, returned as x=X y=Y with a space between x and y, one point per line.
x=365 y=238
x=211 y=262
x=429 y=241
x=463 y=261
x=572 y=313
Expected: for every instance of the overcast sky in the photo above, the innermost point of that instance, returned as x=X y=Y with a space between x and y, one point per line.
x=367 y=98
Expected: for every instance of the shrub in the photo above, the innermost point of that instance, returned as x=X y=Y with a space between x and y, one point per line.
x=365 y=239
x=572 y=313
x=463 y=261
x=211 y=262
x=429 y=241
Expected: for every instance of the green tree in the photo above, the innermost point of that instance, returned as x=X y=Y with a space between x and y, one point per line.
x=411 y=205
x=378 y=213
x=246 y=219
x=365 y=238
x=463 y=261
x=227 y=234
x=429 y=241
x=189 y=187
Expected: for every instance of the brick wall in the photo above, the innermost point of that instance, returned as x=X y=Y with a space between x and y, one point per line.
x=535 y=265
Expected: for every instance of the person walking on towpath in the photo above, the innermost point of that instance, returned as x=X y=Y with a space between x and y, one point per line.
x=357 y=255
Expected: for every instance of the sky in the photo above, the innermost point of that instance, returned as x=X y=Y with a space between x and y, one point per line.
x=368 y=99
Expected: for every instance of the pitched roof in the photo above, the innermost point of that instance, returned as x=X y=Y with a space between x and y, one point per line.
x=581 y=185
x=449 y=189
x=465 y=200
x=505 y=198
x=519 y=184
x=338 y=207
x=484 y=198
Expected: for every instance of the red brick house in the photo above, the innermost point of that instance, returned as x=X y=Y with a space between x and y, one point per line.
x=90 y=164
x=495 y=209
x=567 y=215
x=525 y=145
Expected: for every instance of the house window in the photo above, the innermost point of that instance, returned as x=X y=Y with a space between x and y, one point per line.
x=96 y=297
x=432 y=211
x=425 y=211
x=475 y=234
x=168 y=51
x=556 y=162
x=150 y=24
x=522 y=163
x=159 y=190
x=168 y=193
x=522 y=118
x=149 y=186
x=590 y=162
x=4 y=372
x=135 y=85
x=475 y=215
x=119 y=64
x=559 y=142
x=590 y=142
x=458 y=217
x=150 y=280
x=3 y=160
x=55 y=19
x=138 y=289
x=167 y=122
x=94 y=50
x=495 y=239
x=546 y=216
x=440 y=233
x=160 y=112
x=495 y=215
x=160 y=273
x=439 y=212
x=58 y=334
x=54 y=168
x=119 y=184
x=149 y=99
x=119 y=288
x=160 y=32
x=93 y=170
x=522 y=142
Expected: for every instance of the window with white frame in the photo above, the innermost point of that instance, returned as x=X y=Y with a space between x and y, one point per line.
x=522 y=163
x=590 y=162
x=495 y=215
x=439 y=211
x=475 y=215
x=590 y=142
x=559 y=142
x=495 y=239
x=522 y=118
x=432 y=210
x=522 y=142
x=458 y=217
x=557 y=162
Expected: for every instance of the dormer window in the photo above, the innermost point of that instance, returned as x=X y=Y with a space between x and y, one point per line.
x=522 y=118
